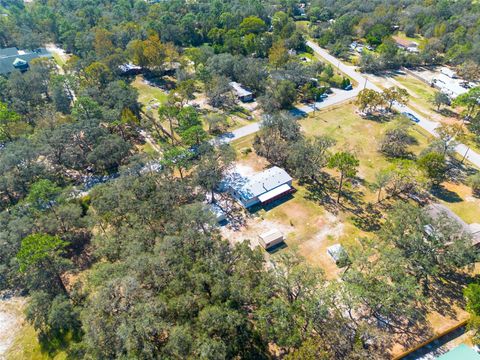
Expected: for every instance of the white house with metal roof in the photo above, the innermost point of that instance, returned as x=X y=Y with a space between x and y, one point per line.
x=242 y=94
x=260 y=188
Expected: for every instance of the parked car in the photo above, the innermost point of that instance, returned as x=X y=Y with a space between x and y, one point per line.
x=348 y=87
x=411 y=117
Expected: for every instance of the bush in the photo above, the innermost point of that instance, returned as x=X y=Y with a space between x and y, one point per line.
x=474 y=182
x=246 y=151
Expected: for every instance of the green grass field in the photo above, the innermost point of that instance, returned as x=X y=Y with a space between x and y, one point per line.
x=358 y=135
x=26 y=345
x=423 y=92
x=58 y=59
x=147 y=93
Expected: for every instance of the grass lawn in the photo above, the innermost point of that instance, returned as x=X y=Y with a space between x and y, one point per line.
x=25 y=344
x=308 y=226
x=147 y=93
x=461 y=201
x=358 y=135
x=58 y=59
x=147 y=148
x=401 y=35
x=421 y=91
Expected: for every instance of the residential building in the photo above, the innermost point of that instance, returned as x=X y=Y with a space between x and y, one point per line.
x=448 y=72
x=242 y=94
x=261 y=188
x=12 y=59
x=436 y=210
x=407 y=45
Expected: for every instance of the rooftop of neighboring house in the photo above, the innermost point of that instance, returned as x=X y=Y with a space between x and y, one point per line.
x=12 y=59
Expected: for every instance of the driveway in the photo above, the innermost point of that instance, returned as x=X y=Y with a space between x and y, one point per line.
x=337 y=97
x=238 y=133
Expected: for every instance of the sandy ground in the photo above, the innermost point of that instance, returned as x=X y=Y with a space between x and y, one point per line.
x=10 y=322
x=254 y=227
x=305 y=232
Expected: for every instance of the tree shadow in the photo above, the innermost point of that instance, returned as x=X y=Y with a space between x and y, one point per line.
x=447 y=112
x=442 y=193
x=159 y=80
x=445 y=291
x=378 y=117
x=271 y=205
x=319 y=193
x=369 y=220
x=52 y=344
x=366 y=216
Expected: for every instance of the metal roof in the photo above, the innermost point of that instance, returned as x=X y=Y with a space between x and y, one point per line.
x=336 y=251
x=271 y=236
x=273 y=193
x=239 y=89
x=6 y=52
x=436 y=209
x=261 y=183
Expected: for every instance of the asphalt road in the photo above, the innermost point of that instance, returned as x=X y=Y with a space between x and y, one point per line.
x=363 y=82
x=337 y=97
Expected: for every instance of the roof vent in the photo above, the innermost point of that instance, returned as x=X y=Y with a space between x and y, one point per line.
x=19 y=63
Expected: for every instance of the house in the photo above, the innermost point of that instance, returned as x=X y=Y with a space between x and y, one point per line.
x=130 y=69
x=448 y=72
x=436 y=210
x=270 y=238
x=12 y=59
x=242 y=94
x=408 y=45
x=261 y=188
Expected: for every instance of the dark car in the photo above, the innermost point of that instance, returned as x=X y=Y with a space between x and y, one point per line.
x=411 y=117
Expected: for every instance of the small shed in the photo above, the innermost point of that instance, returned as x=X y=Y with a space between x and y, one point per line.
x=270 y=238
x=338 y=254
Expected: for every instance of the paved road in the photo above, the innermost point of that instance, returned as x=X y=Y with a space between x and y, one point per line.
x=337 y=97
x=362 y=81
x=238 y=133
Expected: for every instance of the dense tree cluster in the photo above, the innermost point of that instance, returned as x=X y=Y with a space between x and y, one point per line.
x=136 y=267
x=447 y=31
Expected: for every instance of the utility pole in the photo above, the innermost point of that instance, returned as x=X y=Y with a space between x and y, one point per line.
x=465 y=155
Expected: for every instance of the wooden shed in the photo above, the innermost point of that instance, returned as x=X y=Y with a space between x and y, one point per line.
x=270 y=238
